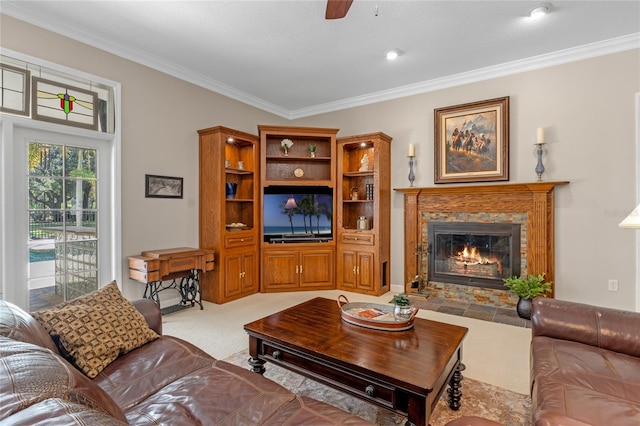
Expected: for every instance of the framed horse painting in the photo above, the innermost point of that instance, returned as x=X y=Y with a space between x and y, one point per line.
x=472 y=142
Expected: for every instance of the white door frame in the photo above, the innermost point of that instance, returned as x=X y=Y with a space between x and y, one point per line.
x=16 y=133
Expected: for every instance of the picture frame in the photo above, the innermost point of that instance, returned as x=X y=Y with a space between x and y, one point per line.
x=163 y=186
x=472 y=142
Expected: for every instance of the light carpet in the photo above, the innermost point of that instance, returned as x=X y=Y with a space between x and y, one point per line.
x=496 y=355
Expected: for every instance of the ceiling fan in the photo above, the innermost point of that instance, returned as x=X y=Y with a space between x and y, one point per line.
x=337 y=9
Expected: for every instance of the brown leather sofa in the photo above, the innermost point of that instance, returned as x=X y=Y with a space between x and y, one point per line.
x=585 y=366
x=167 y=381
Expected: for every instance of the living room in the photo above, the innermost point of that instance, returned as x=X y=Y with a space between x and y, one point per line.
x=587 y=103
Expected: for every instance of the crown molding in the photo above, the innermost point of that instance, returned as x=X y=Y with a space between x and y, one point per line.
x=619 y=44
x=606 y=47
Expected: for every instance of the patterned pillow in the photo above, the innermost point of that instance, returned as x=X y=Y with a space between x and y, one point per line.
x=93 y=330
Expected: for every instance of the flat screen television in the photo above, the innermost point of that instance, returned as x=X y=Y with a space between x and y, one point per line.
x=297 y=214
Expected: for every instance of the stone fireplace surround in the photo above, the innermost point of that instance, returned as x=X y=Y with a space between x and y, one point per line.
x=530 y=204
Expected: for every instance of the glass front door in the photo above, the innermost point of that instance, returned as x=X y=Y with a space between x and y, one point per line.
x=62 y=215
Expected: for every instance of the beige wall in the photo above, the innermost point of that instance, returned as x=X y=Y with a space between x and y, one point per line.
x=587 y=108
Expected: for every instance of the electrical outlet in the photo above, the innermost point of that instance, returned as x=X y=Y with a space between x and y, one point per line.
x=613 y=285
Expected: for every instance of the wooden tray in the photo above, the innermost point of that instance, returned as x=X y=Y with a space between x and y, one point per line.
x=373 y=315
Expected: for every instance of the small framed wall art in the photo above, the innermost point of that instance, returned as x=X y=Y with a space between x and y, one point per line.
x=163 y=186
x=472 y=142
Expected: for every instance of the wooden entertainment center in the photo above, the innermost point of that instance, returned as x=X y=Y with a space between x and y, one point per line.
x=252 y=190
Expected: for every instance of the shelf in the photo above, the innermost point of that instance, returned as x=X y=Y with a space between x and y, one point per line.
x=358 y=174
x=306 y=182
x=297 y=159
x=238 y=172
x=238 y=200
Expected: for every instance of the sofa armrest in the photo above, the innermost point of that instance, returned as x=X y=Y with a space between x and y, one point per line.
x=151 y=312
x=606 y=328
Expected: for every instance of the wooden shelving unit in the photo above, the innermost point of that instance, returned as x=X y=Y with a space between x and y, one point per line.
x=350 y=257
x=229 y=225
x=363 y=213
x=298 y=266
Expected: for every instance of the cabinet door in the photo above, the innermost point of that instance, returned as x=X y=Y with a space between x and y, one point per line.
x=347 y=270
x=249 y=277
x=366 y=271
x=233 y=273
x=280 y=270
x=316 y=268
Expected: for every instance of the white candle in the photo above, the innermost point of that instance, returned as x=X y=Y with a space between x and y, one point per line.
x=540 y=135
x=412 y=150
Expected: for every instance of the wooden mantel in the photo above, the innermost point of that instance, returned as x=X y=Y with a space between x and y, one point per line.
x=536 y=199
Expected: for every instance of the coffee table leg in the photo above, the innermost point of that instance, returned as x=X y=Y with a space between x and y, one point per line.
x=454 y=391
x=257 y=365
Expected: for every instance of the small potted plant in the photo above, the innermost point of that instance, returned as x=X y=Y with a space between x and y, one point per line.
x=402 y=306
x=286 y=144
x=312 y=149
x=526 y=288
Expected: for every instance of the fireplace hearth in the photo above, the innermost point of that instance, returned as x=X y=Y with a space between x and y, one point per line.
x=473 y=253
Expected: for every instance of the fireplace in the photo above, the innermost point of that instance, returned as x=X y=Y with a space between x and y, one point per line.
x=473 y=253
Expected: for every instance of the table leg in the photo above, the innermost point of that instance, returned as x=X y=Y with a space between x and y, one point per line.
x=417 y=411
x=257 y=364
x=189 y=289
x=454 y=391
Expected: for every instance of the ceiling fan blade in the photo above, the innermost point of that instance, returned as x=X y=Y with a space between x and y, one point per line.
x=337 y=9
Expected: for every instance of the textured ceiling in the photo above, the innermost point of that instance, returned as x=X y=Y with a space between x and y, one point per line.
x=284 y=57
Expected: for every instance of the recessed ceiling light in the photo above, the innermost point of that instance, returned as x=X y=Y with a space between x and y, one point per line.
x=392 y=54
x=539 y=12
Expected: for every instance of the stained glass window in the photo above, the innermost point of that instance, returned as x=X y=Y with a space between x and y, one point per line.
x=14 y=93
x=50 y=95
x=62 y=103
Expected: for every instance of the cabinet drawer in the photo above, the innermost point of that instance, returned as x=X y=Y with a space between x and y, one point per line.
x=238 y=240
x=364 y=387
x=358 y=238
x=143 y=276
x=143 y=263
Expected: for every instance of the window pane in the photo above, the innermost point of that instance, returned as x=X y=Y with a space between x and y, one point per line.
x=80 y=194
x=80 y=162
x=14 y=89
x=63 y=205
x=45 y=159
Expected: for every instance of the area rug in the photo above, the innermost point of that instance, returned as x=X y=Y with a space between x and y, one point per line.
x=478 y=399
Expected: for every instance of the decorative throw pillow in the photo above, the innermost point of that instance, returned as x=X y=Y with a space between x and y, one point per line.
x=93 y=330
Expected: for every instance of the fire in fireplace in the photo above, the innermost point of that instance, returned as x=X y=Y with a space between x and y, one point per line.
x=476 y=254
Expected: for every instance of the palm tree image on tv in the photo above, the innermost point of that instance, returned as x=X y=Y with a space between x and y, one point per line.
x=300 y=214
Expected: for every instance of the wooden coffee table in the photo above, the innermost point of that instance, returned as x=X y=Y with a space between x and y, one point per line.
x=403 y=371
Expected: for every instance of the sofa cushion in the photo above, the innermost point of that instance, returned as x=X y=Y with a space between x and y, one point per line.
x=32 y=374
x=58 y=412
x=19 y=325
x=93 y=330
x=305 y=411
x=583 y=382
x=135 y=376
x=222 y=393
